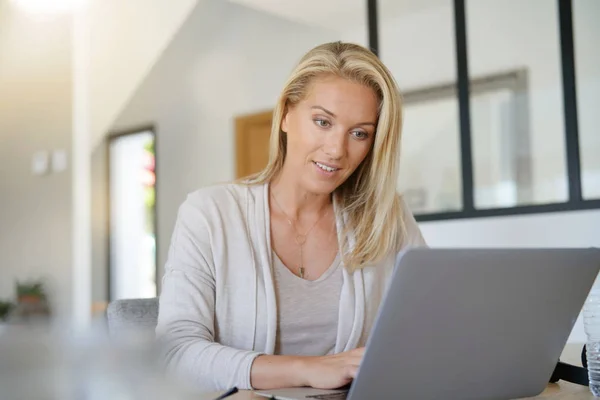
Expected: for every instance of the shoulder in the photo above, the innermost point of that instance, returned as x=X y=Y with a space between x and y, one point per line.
x=220 y=198
x=212 y=215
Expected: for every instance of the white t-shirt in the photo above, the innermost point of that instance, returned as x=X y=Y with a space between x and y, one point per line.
x=307 y=311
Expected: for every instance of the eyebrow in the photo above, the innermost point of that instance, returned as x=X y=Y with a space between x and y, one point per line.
x=326 y=111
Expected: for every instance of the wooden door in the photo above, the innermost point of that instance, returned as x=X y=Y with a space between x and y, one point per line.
x=252 y=134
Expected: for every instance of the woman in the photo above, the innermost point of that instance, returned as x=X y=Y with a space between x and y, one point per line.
x=275 y=281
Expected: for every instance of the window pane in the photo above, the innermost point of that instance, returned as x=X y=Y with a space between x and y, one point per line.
x=586 y=14
x=132 y=225
x=417 y=44
x=500 y=142
x=517 y=116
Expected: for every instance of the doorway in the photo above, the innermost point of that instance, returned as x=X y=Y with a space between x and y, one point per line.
x=252 y=134
x=132 y=215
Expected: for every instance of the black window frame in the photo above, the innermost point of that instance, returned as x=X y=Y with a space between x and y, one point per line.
x=575 y=200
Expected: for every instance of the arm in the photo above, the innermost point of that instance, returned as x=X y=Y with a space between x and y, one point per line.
x=323 y=372
x=185 y=328
x=270 y=372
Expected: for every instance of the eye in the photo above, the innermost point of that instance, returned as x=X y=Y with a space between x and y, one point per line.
x=361 y=135
x=323 y=123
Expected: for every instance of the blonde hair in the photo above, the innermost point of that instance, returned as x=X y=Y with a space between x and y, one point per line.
x=368 y=201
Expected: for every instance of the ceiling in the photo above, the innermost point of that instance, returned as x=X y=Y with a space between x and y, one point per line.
x=337 y=14
x=126 y=39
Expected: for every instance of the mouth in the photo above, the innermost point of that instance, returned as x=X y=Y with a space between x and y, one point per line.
x=326 y=167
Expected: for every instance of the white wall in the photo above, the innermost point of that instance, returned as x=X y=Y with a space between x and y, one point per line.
x=36 y=85
x=126 y=39
x=227 y=60
x=35 y=114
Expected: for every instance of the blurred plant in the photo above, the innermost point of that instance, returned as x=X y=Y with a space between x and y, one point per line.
x=30 y=292
x=5 y=309
x=149 y=147
x=32 y=301
x=150 y=185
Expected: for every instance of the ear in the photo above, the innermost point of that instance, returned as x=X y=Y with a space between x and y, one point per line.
x=284 y=121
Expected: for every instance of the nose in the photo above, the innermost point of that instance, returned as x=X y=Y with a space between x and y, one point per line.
x=335 y=145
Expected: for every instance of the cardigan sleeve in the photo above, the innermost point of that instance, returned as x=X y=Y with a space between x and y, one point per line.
x=186 y=326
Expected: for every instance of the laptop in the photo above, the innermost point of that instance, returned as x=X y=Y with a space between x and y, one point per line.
x=469 y=324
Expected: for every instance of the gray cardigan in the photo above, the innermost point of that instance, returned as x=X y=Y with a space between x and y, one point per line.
x=217 y=306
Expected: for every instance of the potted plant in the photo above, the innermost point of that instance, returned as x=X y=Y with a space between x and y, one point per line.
x=30 y=293
x=32 y=301
x=5 y=309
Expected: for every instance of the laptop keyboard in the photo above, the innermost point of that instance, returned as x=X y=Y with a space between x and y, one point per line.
x=329 y=396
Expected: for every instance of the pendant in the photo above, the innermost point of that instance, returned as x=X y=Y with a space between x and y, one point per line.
x=301 y=272
x=300 y=239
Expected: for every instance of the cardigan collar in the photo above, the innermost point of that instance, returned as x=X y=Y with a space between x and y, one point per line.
x=351 y=317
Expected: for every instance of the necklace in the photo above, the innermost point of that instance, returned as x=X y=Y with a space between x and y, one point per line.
x=299 y=238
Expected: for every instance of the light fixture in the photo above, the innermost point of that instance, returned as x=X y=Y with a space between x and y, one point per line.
x=48 y=6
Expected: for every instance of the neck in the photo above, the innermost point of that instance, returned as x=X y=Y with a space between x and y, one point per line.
x=296 y=201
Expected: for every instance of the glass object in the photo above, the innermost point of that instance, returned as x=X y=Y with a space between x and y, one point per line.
x=500 y=141
x=416 y=41
x=586 y=31
x=591 y=324
x=517 y=113
x=430 y=176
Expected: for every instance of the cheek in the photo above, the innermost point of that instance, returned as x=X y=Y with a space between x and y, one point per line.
x=358 y=152
x=302 y=141
x=305 y=135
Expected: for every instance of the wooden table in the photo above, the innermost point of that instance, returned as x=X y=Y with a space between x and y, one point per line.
x=554 y=391
x=565 y=391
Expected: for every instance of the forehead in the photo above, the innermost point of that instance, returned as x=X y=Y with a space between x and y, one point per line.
x=343 y=97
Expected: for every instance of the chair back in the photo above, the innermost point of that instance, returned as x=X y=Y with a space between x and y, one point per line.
x=139 y=315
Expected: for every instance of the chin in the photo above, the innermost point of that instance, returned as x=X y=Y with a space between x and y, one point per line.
x=320 y=187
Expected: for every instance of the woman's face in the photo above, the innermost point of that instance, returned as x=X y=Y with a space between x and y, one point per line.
x=330 y=132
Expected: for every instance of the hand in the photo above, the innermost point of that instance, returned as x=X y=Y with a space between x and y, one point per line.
x=334 y=371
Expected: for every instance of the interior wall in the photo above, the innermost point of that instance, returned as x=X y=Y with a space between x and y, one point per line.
x=126 y=39
x=35 y=115
x=226 y=60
